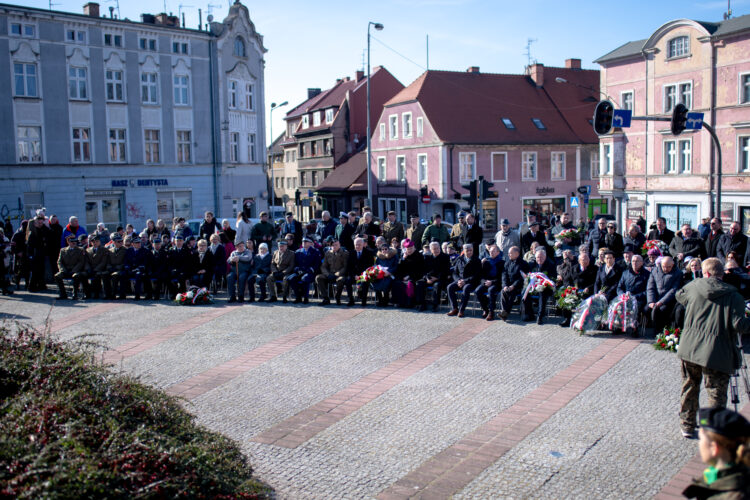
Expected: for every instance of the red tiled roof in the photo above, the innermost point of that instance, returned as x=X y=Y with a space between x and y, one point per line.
x=346 y=175
x=468 y=108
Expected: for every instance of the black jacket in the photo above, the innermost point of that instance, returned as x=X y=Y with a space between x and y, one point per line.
x=547 y=268
x=608 y=280
x=411 y=266
x=437 y=267
x=635 y=284
x=729 y=243
x=469 y=270
x=666 y=236
x=712 y=243
x=583 y=280
x=596 y=240
x=359 y=265
x=615 y=243
x=527 y=239
x=512 y=273
x=206 y=229
x=689 y=247
x=474 y=237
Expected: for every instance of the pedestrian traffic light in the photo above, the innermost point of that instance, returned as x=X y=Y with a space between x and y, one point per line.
x=679 y=119
x=485 y=190
x=603 y=115
x=471 y=187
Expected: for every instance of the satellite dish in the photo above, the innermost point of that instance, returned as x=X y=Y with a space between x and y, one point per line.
x=210 y=18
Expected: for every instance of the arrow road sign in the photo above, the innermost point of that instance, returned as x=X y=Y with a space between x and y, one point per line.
x=622 y=118
x=694 y=121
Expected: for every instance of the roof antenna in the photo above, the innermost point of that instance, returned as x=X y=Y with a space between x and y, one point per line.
x=728 y=13
x=529 y=59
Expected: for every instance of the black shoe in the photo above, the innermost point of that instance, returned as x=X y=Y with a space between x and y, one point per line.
x=422 y=308
x=284 y=300
x=338 y=301
x=435 y=308
x=62 y=297
x=527 y=319
x=232 y=300
x=306 y=300
x=297 y=300
x=262 y=299
x=241 y=300
x=273 y=299
x=137 y=297
x=252 y=299
x=325 y=302
x=540 y=321
x=350 y=303
x=565 y=323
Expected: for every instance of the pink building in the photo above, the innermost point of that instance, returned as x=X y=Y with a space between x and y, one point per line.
x=528 y=134
x=647 y=170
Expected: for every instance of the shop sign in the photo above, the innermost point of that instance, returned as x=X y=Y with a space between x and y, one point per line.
x=139 y=182
x=727 y=215
x=636 y=208
x=543 y=191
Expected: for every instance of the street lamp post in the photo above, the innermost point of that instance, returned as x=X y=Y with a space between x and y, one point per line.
x=270 y=130
x=378 y=27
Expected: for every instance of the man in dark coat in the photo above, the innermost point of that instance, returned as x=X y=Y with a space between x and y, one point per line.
x=368 y=229
x=687 y=244
x=467 y=271
x=734 y=241
x=179 y=265
x=635 y=238
x=344 y=232
x=202 y=266
x=608 y=277
x=415 y=230
x=545 y=265
x=662 y=287
x=293 y=227
x=208 y=227
x=596 y=236
x=159 y=273
x=116 y=267
x=513 y=271
x=582 y=276
x=613 y=240
x=714 y=237
x=97 y=260
x=71 y=264
x=326 y=226
x=53 y=248
x=36 y=250
x=306 y=264
x=533 y=234
x=473 y=234
x=360 y=259
x=437 y=274
x=491 y=282
x=137 y=266
x=634 y=280
x=661 y=232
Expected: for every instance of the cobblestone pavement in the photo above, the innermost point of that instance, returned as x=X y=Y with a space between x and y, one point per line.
x=340 y=402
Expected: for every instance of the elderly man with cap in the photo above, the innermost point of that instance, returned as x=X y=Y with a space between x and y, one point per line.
x=306 y=264
x=282 y=269
x=534 y=233
x=458 y=231
x=71 y=264
x=97 y=258
x=116 y=267
x=436 y=231
x=137 y=265
x=159 y=271
x=333 y=270
x=415 y=229
x=345 y=232
x=202 y=265
x=179 y=265
x=240 y=265
x=506 y=238
x=393 y=228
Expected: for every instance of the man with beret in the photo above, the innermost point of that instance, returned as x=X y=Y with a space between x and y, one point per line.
x=282 y=269
x=306 y=264
x=159 y=272
x=98 y=258
x=415 y=230
x=137 y=264
x=714 y=317
x=71 y=264
x=179 y=261
x=393 y=228
x=506 y=238
x=333 y=270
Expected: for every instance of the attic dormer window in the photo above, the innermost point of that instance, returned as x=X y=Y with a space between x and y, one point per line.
x=678 y=47
x=239 y=47
x=508 y=124
x=538 y=123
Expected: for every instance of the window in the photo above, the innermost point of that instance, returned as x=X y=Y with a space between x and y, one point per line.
x=606 y=168
x=114 y=85
x=677 y=157
x=316 y=119
x=382 y=172
x=467 y=163
x=327 y=147
x=508 y=124
x=184 y=147
x=557 y=167
x=172 y=204
x=594 y=165
x=401 y=169
x=422 y=169
x=232 y=94
x=249 y=97
x=111 y=40
x=25 y=79
x=29 y=144
x=81 y=145
x=251 y=148
x=305 y=121
x=626 y=98
x=32 y=201
x=743 y=162
x=745 y=88
x=686 y=156
x=329 y=116
x=678 y=93
x=234 y=147
x=314 y=178
x=500 y=167
x=75 y=36
x=25 y=30
x=420 y=127
x=239 y=47
x=179 y=48
x=382 y=132
x=181 y=90
x=15 y=29
x=528 y=166
x=677 y=215
x=538 y=124
x=147 y=44
x=151 y=138
x=117 y=145
x=406 y=124
x=685 y=94
x=393 y=122
x=670 y=98
x=678 y=47
x=77 y=83
x=149 y=88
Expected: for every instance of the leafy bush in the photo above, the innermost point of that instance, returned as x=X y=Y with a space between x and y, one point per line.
x=71 y=428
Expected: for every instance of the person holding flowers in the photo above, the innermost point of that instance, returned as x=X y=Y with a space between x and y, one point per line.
x=661 y=232
x=634 y=281
x=547 y=267
x=582 y=277
x=608 y=277
x=387 y=259
x=566 y=235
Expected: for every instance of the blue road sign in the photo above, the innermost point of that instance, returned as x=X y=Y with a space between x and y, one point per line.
x=621 y=118
x=574 y=202
x=694 y=121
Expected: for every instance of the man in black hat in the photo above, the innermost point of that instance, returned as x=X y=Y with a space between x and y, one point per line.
x=72 y=264
x=458 y=231
x=344 y=232
x=393 y=228
x=533 y=234
x=116 y=266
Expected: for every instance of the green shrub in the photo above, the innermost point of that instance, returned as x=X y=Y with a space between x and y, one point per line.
x=71 y=428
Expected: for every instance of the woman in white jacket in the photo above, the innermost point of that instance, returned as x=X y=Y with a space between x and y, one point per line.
x=244 y=227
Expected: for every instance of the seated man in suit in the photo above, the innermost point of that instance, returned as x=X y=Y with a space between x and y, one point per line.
x=282 y=268
x=490 y=282
x=467 y=271
x=514 y=270
x=608 y=277
x=546 y=266
x=437 y=274
x=582 y=276
x=359 y=261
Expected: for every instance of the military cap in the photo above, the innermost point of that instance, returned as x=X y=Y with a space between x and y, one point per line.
x=628 y=248
x=115 y=237
x=343 y=215
x=70 y=237
x=462 y=215
x=725 y=422
x=330 y=239
x=307 y=239
x=533 y=223
x=83 y=237
x=262 y=214
x=179 y=236
x=156 y=240
x=136 y=239
x=282 y=242
x=391 y=212
x=289 y=214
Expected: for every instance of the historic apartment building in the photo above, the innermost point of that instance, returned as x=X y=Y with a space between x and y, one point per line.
x=118 y=121
x=645 y=169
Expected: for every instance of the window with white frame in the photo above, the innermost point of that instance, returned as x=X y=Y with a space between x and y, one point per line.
x=557 y=166
x=81 y=145
x=23 y=30
x=305 y=121
x=677 y=156
x=401 y=169
x=151 y=143
x=685 y=148
x=117 y=145
x=147 y=44
x=234 y=147
x=670 y=98
x=184 y=146
x=149 y=88
x=75 y=36
x=329 y=116
x=420 y=126
x=677 y=47
x=626 y=98
x=382 y=172
x=594 y=164
x=239 y=47
x=113 y=84
x=232 y=94
x=181 y=90
x=499 y=166
x=528 y=166
x=77 y=88
x=251 y=148
x=678 y=93
x=25 y=81
x=670 y=157
x=112 y=40
x=250 y=97
x=406 y=124
x=382 y=132
x=467 y=166
x=29 y=144
x=422 y=169
x=316 y=119
x=745 y=88
x=393 y=126
x=606 y=166
x=743 y=153
x=685 y=94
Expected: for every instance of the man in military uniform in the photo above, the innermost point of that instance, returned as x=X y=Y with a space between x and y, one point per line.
x=458 y=231
x=116 y=267
x=436 y=231
x=179 y=265
x=72 y=264
x=137 y=264
x=159 y=272
x=333 y=270
x=98 y=257
x=306 y=265
x=282 y=268
x=393 y=228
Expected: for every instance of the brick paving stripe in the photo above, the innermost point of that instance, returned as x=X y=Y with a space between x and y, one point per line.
x=694 y=468
x=223 y=373
x=146 y=342
x=80 y=316
x=296 y=430
x=455 y=467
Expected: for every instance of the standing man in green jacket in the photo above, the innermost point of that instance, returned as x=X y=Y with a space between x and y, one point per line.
x=714 y=317
x=436 y=231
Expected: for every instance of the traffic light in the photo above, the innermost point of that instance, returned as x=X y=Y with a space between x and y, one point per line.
x=471 y=187
x=603 y=115
x=679 y=119
x=485 y=190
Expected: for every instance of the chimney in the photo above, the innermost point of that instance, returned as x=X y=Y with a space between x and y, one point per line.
x=312 y=93
x=360 y=75
x=573 y=63
x=536 y=72
x=148 y=19
x=161 y=18
x=91 y=9
x=472 y=69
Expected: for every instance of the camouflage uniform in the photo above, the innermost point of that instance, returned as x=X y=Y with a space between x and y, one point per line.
x=716 y=391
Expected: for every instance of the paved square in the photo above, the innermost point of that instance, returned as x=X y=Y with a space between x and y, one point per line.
x=340 y=402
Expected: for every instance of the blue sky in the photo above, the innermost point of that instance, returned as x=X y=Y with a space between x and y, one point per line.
x=312 y=43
